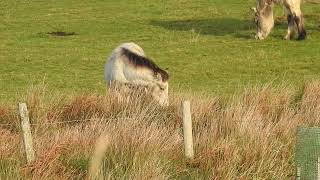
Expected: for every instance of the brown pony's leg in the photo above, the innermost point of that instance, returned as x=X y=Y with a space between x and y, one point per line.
x=291 y=31
x=295 y=11
x=300 y=24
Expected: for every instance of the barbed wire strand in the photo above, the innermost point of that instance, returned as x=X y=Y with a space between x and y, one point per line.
x=279 y=105
x=103 y=119
x=6 y=124
x=69 y=121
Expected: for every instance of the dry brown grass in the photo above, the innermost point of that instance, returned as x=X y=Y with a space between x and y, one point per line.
x=251 y=136
x=8 y=117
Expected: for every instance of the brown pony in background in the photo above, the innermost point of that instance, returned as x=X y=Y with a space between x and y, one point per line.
x=264 y=18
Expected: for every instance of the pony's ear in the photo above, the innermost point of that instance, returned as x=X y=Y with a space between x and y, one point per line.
x=167 y=70
x=254 y=9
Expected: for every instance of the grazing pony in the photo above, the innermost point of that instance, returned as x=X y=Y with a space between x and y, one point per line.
x=264 y=18
x=129 y=68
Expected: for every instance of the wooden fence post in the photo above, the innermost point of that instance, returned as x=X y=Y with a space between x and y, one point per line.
x=26 y=132
x=187 y=129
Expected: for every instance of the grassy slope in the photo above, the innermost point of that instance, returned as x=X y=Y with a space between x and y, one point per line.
x=207 y=45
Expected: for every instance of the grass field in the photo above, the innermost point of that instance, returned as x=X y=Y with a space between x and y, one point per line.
x=206 y=45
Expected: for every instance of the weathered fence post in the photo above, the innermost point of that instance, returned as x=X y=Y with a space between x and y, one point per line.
x=26 y=132
x=187 y=129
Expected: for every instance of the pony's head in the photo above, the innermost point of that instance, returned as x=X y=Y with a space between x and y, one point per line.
x=263 y=18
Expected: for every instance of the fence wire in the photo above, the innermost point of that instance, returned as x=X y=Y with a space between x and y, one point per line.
x=314 y=101
x=6 y=125
x=15 y=110
x=59 y=122
x=69 y=121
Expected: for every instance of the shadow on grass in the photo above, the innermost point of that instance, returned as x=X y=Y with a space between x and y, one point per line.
x=217 y=27
x=239 y=28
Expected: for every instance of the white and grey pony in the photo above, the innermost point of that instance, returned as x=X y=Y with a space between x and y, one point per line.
x=128 y=67
x=264 y=18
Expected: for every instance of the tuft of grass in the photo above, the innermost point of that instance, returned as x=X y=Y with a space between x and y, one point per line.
x=9 y=169
x=8 y=117
x=79 y=163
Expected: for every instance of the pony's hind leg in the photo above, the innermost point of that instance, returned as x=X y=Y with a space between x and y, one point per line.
x=300 y=24
x=295 y=17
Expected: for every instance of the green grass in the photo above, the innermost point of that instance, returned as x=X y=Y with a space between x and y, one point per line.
x=207 y=45
x=9 y=169
x=307 y=151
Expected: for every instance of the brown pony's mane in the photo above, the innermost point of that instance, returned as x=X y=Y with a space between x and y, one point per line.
x=140 y=61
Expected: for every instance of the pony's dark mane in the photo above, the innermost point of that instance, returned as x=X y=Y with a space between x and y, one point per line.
x=140 y=61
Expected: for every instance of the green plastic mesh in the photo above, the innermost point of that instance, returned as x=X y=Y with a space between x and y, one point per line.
x=307 y=152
